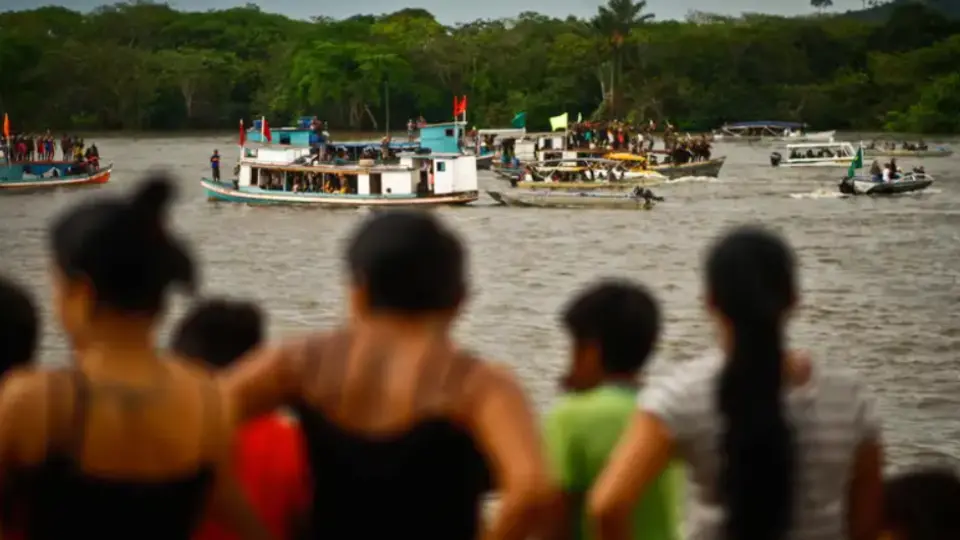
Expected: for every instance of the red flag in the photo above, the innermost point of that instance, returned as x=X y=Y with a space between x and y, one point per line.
x=243 y=133
x=6 y=126
x=463 y=104
x=456 y=106
x=265 y=129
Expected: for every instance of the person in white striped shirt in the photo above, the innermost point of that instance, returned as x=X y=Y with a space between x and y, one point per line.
x=777 y=447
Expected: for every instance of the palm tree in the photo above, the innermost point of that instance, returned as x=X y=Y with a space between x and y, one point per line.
x=614 y=23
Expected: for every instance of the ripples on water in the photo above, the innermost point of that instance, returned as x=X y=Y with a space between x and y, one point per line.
x=879 y=275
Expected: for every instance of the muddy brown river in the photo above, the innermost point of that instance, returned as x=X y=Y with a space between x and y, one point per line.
x=879 y=276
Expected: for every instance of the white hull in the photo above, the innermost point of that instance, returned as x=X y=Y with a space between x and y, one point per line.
x=817 y=136
x=843 y=162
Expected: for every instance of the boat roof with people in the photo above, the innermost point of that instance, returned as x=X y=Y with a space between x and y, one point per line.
x=819 y=145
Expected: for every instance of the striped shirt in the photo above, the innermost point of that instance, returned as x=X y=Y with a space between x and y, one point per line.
x=831 y=415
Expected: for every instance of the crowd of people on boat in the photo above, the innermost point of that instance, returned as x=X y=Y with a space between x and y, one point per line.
x=385 y=425
x=919 y=146
x=889 y=172
x=27 y=147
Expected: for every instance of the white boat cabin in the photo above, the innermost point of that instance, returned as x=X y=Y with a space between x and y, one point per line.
x=820 y=151
x=291 y=169
x=550 y=146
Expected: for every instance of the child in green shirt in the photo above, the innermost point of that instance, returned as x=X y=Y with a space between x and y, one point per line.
x=614 y=327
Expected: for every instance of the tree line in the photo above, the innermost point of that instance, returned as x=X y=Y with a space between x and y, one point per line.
x=146 y=66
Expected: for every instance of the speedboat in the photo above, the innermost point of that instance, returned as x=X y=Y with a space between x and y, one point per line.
x=871 y=185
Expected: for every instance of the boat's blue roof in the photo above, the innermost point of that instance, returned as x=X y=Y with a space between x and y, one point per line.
x=374 y=144
x=766 y=123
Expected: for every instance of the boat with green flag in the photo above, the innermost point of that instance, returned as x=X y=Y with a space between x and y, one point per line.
x=888 y=183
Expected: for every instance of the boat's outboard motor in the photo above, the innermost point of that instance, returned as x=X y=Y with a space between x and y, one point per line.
x=775 y=159
x=846 y=186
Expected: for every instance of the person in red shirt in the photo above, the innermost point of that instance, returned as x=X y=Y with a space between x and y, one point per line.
x=270 y=455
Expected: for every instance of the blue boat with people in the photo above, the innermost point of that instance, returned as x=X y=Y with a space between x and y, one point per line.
x=51 y=174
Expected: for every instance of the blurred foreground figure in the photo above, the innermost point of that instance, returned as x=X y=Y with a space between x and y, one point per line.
x=778 y=447
x=922 y=505
x=123 y=443
x=614 y=327
x=405 y=431
x=270 y=456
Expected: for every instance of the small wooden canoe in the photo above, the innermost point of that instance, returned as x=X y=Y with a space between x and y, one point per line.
x=553 y=199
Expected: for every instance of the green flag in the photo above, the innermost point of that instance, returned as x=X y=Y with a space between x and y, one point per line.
x=519 y=121
x=857 y=163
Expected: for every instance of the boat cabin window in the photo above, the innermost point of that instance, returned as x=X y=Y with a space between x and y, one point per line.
x=376 y=184
x=284 y=138
x=441 y=166
x=448 y=132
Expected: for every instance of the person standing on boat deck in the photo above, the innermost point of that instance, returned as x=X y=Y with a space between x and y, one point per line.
x=125 y=442
x=406 y=432
x=215 y=165
x=778 y=447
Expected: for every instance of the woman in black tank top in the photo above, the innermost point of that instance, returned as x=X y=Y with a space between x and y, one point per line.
x=122 y=444
x=405 y=433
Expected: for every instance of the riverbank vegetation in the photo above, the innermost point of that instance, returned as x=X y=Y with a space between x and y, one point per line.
x=147 y=66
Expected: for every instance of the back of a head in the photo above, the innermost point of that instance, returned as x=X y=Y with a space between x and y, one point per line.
x=19 y=326
x=620 y=317
x=408 y=262
x=923 y=504
x=751 y=283
x=121 y=247
x=218 y=332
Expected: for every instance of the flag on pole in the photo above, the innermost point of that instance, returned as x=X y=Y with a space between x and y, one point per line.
x=243 y=133
x=519 y=120
x=265 y=129
x=6 y=126
x=579 y=118
x=857 y=163
x=559 y=122
x=459 y=105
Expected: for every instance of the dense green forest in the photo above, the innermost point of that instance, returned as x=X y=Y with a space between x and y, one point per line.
x=141 y=66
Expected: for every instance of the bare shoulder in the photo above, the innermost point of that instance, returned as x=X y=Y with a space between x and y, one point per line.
x=494 y=385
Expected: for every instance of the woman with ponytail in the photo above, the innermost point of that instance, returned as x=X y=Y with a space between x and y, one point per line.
x=777 y=447
x=123 y=443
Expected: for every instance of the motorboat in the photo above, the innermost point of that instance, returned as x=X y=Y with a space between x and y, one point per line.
x=829 y=154
x=770 y=131
x=917 y=180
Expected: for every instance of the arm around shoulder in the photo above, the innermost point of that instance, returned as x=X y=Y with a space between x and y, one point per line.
x=865 y=497
x=504 y=423
x=264 y=379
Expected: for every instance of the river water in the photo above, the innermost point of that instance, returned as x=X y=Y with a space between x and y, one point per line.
x=879 y=276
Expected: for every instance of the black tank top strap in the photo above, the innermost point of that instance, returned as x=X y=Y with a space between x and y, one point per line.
x=67 y=426
x=326 y=357
x=210 y=416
